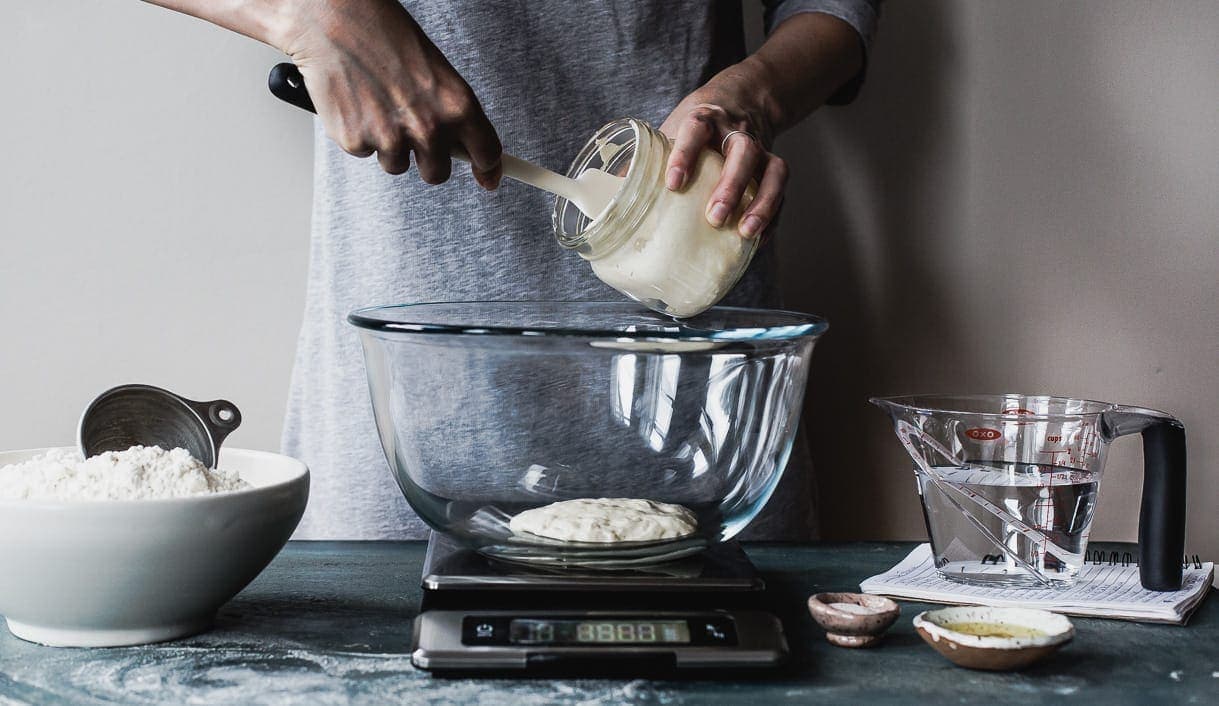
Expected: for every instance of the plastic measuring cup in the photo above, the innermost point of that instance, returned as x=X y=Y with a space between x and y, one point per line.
x=1009 y=484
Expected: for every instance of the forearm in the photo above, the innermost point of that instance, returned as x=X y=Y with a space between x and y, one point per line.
x=268 y=21
x=801 y=64
x=378 y=83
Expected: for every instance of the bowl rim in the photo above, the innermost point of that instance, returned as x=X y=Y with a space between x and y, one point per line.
x=802 y=325
x=956 y=404
x=929 y=621
x=300 y=475
x=825 y=600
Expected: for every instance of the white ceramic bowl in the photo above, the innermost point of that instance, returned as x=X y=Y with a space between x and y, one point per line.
x=109 y=573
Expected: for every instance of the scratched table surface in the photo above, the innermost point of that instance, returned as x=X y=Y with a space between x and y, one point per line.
x=329 y=623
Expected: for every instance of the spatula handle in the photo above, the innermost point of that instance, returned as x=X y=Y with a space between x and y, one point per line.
x=287 y=84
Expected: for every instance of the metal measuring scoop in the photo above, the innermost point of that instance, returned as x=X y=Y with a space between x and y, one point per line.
x=143 y=415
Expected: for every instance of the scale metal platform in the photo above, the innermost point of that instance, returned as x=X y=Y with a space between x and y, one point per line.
x=481 y=615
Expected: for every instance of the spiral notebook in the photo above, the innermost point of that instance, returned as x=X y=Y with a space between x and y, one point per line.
x=1107 y=587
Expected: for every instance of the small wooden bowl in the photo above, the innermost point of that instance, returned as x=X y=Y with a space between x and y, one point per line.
x=994 y=653
x=859 y=628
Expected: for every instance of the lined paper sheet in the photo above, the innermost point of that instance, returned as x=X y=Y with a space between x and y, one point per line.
x=1101 y=591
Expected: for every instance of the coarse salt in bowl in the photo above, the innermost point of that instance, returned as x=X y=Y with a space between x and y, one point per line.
x=94 y=573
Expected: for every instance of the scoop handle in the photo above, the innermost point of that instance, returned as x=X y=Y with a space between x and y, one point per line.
x=221 y=418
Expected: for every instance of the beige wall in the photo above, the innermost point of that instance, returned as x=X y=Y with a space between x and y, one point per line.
x=154 y=220
x=1024 y=198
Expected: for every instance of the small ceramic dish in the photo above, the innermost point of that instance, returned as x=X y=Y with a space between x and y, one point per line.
x=853 y=619
x=996 y=639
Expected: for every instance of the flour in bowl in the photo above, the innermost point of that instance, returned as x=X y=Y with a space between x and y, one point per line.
x=139 y=473
x=606 y=520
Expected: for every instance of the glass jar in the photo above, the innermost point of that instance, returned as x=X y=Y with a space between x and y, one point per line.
x=652 y=244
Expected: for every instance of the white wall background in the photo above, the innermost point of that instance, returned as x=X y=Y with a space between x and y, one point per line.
x=1026 y=197
x=155 y=216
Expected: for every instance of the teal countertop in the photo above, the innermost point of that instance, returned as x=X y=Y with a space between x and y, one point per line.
x=329 y=623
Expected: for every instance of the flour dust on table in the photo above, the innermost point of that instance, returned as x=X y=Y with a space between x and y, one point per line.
x=207 y=671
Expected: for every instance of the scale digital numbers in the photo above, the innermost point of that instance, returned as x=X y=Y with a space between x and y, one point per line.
x=593 y=632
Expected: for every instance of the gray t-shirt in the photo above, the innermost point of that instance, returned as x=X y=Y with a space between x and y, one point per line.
x=548 y=74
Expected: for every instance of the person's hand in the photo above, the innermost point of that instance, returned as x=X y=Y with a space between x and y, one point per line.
x=380 y=85
x=702 y=121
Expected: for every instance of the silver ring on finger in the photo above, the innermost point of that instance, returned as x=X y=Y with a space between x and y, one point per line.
x=724 y=142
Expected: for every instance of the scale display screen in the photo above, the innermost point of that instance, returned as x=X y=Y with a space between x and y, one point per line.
x=533 y=631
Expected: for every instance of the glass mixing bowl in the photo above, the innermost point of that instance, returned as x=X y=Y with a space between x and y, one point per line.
x=489 y=409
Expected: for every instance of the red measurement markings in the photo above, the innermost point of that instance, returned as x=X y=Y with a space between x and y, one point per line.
x=1019 y=411
x=1053 y=453
x=1085 y=447
x=1043 y=517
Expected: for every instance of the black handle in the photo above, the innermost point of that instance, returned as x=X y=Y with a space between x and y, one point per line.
x=1162 y=513
x=287 y=84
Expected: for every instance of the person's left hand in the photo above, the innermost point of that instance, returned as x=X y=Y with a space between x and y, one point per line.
x=702 y=120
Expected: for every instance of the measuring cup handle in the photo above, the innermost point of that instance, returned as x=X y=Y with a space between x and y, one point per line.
x=1162 y=513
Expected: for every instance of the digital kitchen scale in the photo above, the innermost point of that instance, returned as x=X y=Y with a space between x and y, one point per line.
x=701 y=612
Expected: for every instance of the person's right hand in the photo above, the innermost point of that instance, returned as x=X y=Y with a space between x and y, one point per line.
x=380 y=85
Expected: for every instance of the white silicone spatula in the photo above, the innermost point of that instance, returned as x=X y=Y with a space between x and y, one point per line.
x=591 y=192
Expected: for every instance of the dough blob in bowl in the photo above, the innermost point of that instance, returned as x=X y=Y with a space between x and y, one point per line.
x=606 y=520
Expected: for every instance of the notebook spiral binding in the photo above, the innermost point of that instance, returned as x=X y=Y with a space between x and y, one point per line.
x=1097 y=557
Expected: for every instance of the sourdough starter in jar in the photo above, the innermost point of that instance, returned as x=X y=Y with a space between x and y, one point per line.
x=652 y=244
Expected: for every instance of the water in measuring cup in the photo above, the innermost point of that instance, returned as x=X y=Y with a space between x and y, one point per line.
x=1040 y=514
